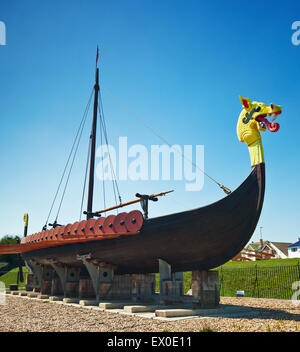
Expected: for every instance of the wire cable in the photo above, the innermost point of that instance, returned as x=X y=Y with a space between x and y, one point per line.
x=225 y=189
x=69 y=157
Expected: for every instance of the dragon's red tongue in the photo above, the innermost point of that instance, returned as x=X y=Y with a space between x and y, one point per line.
x=272 y=127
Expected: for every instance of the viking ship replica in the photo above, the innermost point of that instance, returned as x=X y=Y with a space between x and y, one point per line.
x=131 y=243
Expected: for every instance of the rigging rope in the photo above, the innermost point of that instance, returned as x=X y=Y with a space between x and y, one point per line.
x=103 y=125
x=67 y=181
x=85 y=177
x=69 y=157
x=225 y=189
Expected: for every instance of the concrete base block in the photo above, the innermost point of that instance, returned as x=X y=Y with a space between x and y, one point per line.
x=23 y=293
x=167 y=313
x=41 y=296
x=88 y=302
x=112 y=305
x=71 y=300
x=15 y=293
x=55 y=298
x=139 y=308
x=32 y=294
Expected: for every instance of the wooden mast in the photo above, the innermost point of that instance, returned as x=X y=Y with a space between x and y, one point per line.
x=93 y=146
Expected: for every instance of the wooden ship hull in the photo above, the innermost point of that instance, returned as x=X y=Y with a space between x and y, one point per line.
x=198 y=239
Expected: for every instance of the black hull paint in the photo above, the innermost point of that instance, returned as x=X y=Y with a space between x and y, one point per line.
x=198 y=239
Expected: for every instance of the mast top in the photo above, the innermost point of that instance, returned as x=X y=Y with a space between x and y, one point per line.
x=93 y=143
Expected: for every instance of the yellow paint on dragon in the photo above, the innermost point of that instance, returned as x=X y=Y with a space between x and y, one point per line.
x=248 y=128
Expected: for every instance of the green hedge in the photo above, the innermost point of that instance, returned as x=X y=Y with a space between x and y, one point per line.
x=12 y=276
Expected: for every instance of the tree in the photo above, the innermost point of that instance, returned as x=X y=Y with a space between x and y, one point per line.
x=11 y=260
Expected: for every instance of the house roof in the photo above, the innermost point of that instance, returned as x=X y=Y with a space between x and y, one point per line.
x=282 y=246
x=296 y=244
x=256 y=245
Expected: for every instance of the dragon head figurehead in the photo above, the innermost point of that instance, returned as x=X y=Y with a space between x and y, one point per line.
x=252 y=120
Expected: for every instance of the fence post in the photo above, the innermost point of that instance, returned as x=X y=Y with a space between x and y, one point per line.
x=221 y=282
x=255 y=283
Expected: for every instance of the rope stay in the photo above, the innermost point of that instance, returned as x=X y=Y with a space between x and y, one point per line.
x=103 y=131
x=76 y=140
x=225 y=189
x=104 y=136
x=85 y=178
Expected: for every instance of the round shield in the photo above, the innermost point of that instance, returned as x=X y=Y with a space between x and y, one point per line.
x=74 y=228
x=45 y=234
x=108 y=225
x=33 y=237
x=119 y=223
x=134 y=221
x=60 y=233
x=50 y=234
x=67 y=230
x=99 y=226
x=90 y=227
x=55 y=233
x=38 y=237
x=81 y=227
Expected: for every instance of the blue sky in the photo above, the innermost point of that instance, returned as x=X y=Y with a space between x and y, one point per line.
x=178 y=65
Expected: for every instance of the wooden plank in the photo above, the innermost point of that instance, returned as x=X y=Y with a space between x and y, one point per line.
x=27 y=247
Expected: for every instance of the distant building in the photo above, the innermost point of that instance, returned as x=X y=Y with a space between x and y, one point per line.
x=279 y=249
x=294 y=249
x=263 y=250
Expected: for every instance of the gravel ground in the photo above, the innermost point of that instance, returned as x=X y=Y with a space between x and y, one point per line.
x=21 y=315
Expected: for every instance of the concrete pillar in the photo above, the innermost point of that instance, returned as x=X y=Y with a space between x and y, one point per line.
x=105 y=283
x=86 y=288
x=69 y=277
x=56 y=288
x=120 y=288
x=205 y=289
x=170 y=284
x=32 y=282
x=143 y=287
x=47 y=276
x=101 y=276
